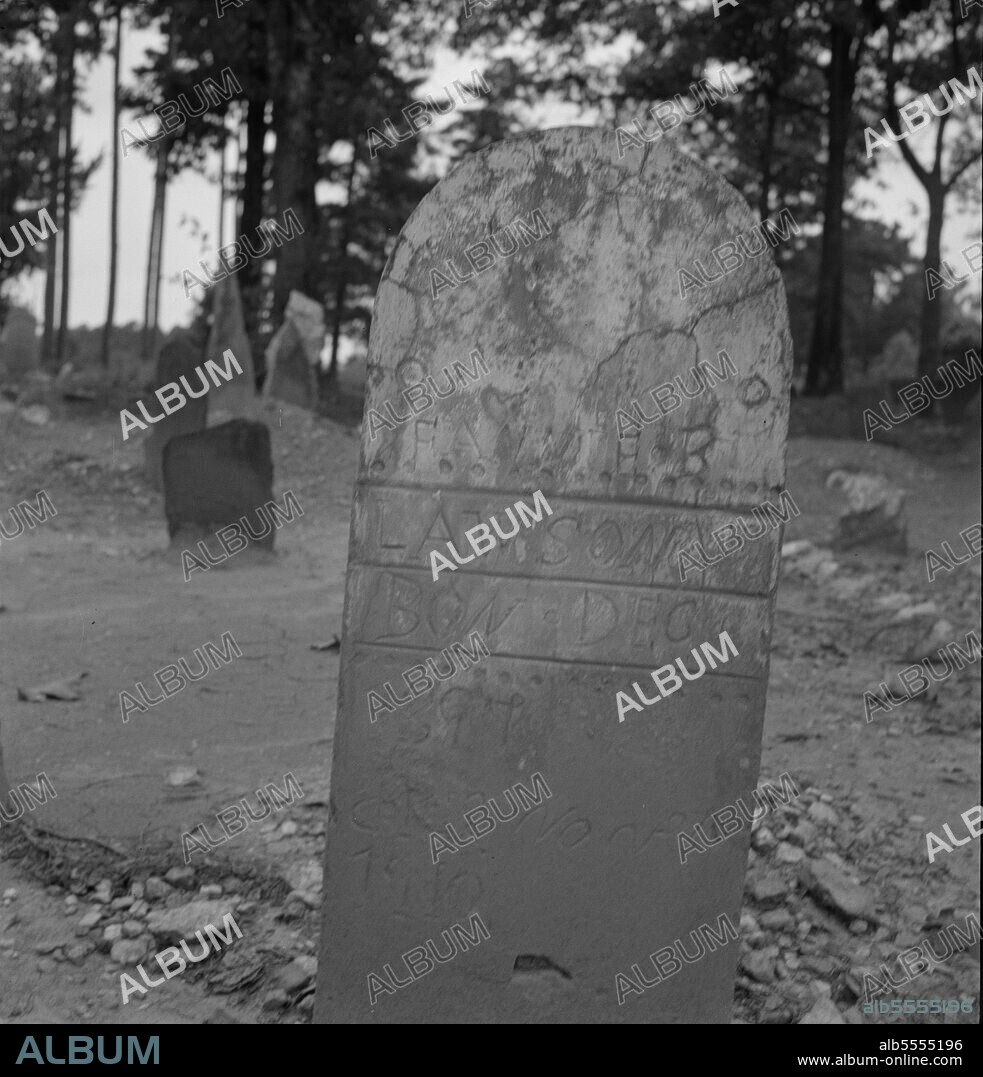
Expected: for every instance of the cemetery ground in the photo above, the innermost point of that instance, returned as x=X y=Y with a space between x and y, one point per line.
x=94 y=882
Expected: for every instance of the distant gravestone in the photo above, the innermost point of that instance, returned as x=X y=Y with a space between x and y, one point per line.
x=235 y=399
x=307 y=316
x=289 y=374
x=216 y=477
x=573 y=326
x=874 y=513
x=897 y=359
x=19 y=349
x=180 y=355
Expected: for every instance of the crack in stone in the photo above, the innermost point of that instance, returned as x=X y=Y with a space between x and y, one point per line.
x=747 y=297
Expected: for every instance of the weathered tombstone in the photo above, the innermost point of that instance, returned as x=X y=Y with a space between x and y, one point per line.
x=308 y=317
x=214 y=478
x=179 y=355
x=874 y=513
x=573 y=326
x=235 y=399
x=289 y=374
x=18 y=346
x=294 y=353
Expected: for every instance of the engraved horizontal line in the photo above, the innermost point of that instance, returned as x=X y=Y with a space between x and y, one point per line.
x=559 y=661
x=621 y=585
x=650 y=502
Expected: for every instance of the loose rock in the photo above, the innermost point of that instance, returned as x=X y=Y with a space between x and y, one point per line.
x=769 y=891
x=831 y=887
x=185 y=920
x=156 y=889
x=183 y=878
x=824 y=1012
x=298 y=974
x=128 y=951
x=823 y=814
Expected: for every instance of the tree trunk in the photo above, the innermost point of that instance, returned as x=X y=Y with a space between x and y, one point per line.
x=67 y=184
x=328 y=384
x=936 y=188
x=767 y=156
x=50 y=284
x=148 y=343
x=145 y=348
x=253 y=181
x=295 y=156
x=930 y=347
x=223 y=145
x=54 y=200
x=160 y=201
x=155 y=252
x=825 y=370
x=107 y=329
x=254 y=176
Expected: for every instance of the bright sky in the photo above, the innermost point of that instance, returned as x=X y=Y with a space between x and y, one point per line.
x=193 y=198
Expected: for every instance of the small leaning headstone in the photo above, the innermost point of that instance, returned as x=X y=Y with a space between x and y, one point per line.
x=235 y=399
x=294 y=353
x=289 y=374
x=308 y=318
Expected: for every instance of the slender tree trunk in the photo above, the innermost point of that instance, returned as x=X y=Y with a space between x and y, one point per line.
x=67 y=185
x=53 y=243
x=160 y=201
x=107 y=329
x=253 y=181
x=936 y=188
x=767 y=156
x=329 y=383
x=293 y=66
x=222 y=147
x=148 y=343
x=145 y=349
x=930 y=346
x=155 y=252
x=254 y=176
x=50 y=285
x=825 y=370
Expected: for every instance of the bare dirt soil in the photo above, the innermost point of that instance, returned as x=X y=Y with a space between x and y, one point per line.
x=95 y=590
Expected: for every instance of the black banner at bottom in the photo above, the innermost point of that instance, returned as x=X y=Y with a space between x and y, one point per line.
x=791 y=1048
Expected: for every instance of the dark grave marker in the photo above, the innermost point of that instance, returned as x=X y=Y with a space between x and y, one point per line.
x=216 y=477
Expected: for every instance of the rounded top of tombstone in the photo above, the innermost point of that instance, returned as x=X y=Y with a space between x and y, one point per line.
x=571 y=275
